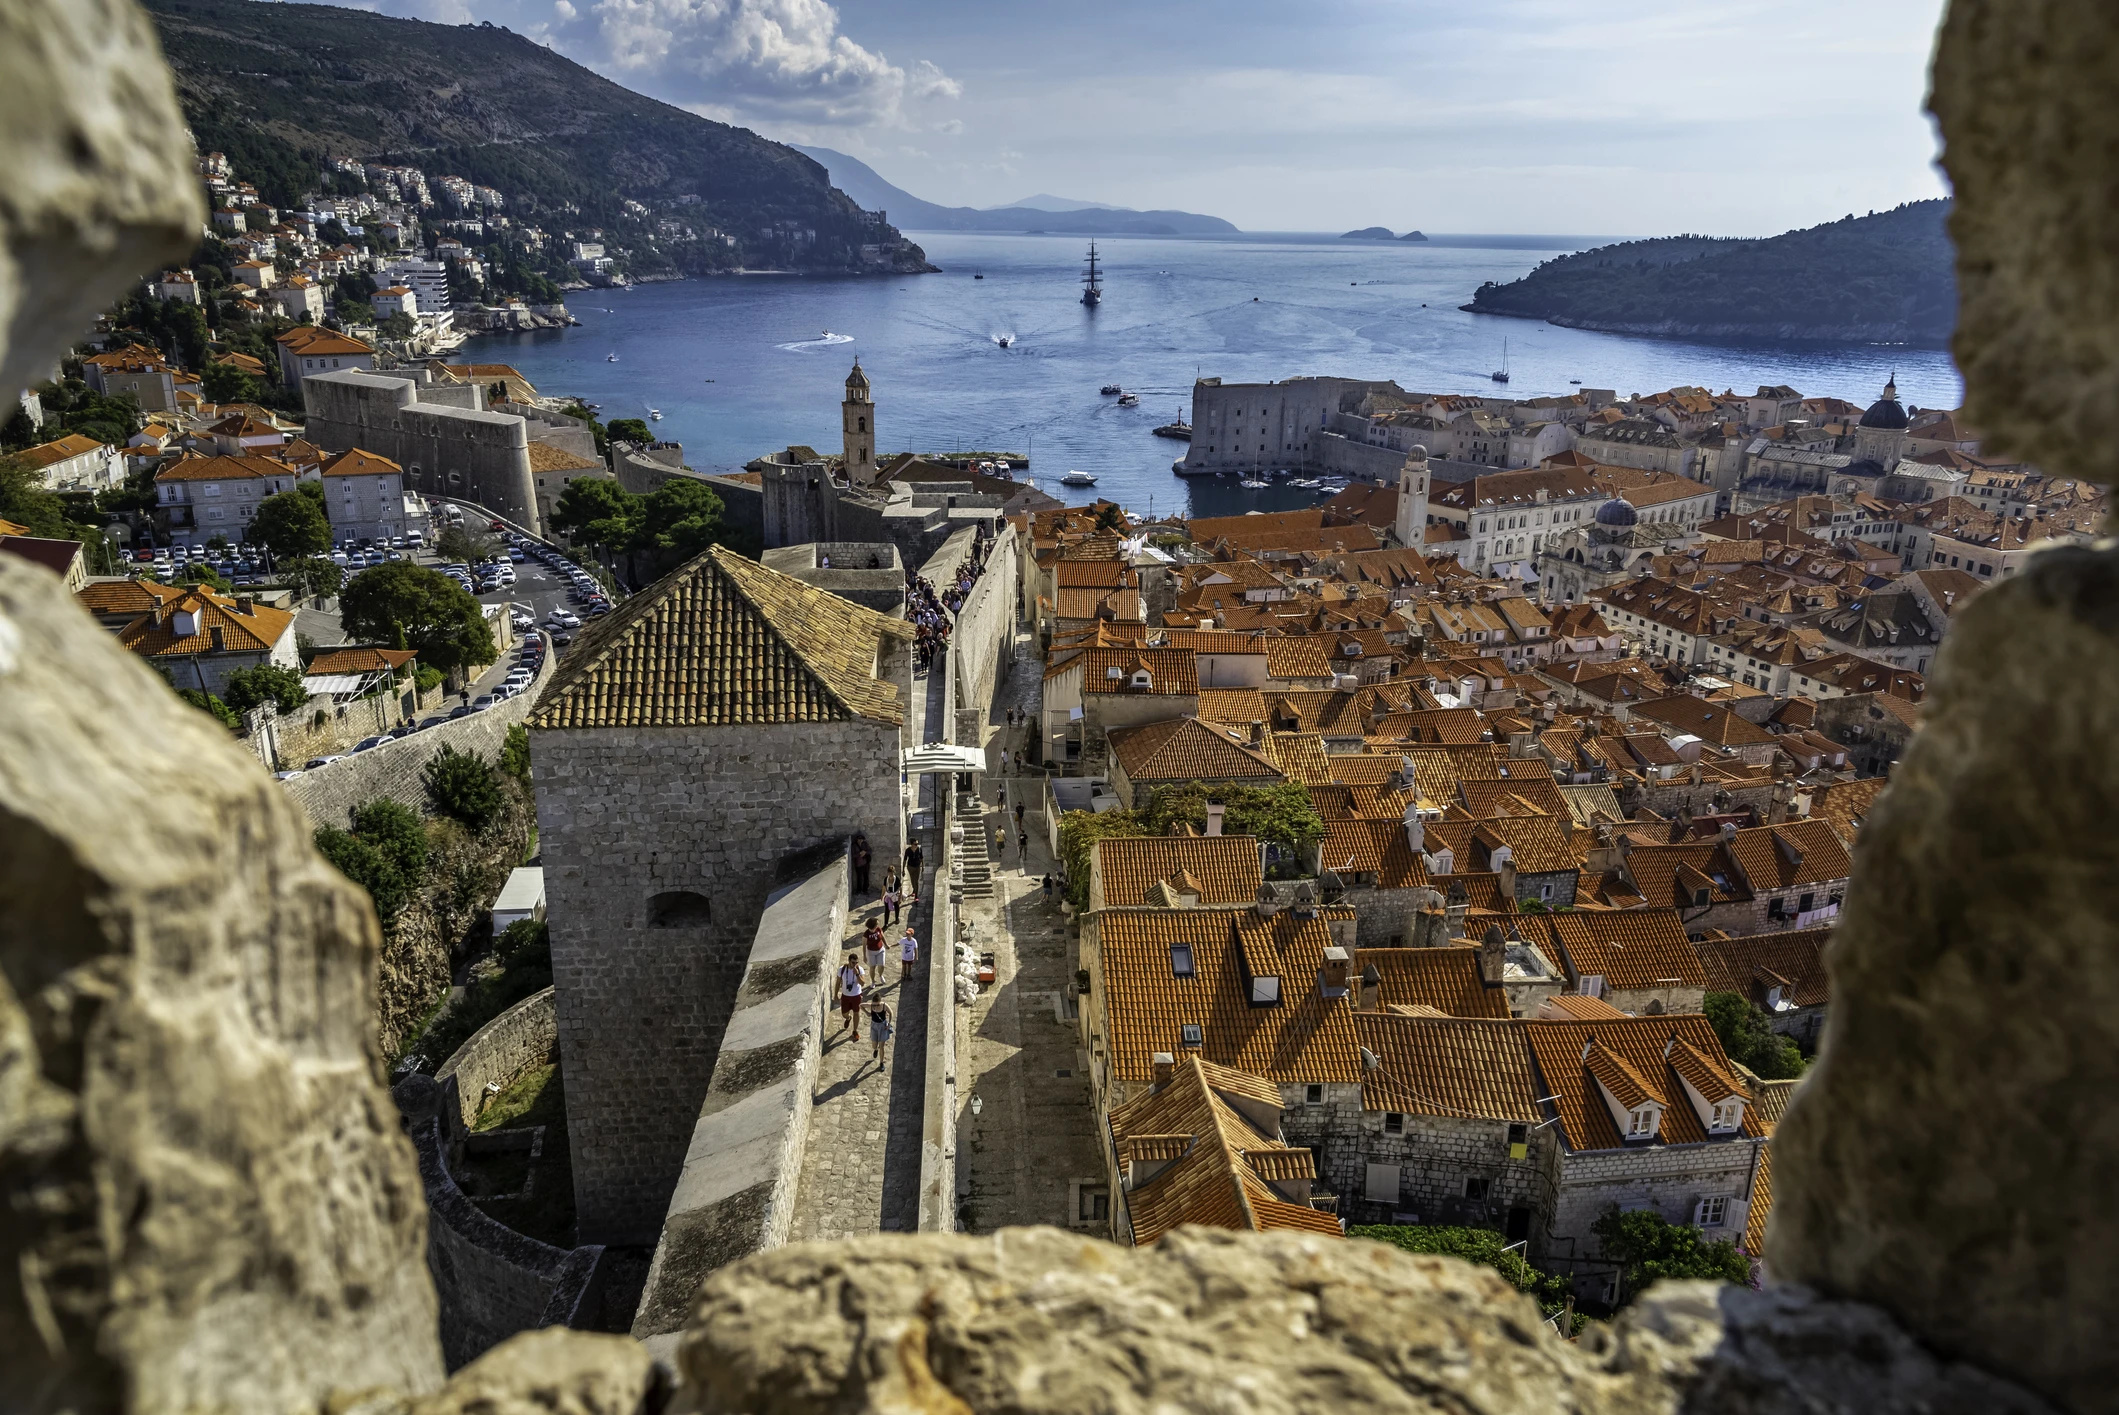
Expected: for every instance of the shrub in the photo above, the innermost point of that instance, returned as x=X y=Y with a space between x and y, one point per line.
x=427 y=679
x=515 y=753
x=1646 y=1246
x=367 y=867
x=395 y=830
x=214 y=708
x=1078 y=832
x=267 y=683
x=463 y=787
x=1749 y=1040
x=1281 y=815
x=1483 y=1246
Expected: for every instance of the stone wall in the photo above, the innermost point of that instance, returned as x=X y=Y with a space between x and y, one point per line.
x=1435 y=1155
x=736 y=1192
x=330 y=794
x=1670 y=1179
x=497 y=1055
x=492 y=1282
x=698 y=819
x=983 y=640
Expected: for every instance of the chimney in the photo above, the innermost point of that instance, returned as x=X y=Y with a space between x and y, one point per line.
x=1521 y=744
x=1415 y=828
x=1493 y=956
x=1267 y=903
x=1507 y=871
x=1332 y=977
x=1728 y=832
x=1215 y=812
x=1371 y=989
x=244 y=604
x=1460 y=901
x=1164 y=1068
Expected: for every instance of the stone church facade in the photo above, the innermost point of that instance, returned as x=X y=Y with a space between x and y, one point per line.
x=714 y=725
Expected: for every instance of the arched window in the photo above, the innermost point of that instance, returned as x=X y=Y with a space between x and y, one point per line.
x=863 y=423
x=1655 y=1007
x=678 y=909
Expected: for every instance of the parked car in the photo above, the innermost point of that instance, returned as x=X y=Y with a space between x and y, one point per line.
x=461 y=710
x=482 y=702
x=314 y=762
x=562 y=639
x=366 y=742
x=287 y=775
x=435 y=721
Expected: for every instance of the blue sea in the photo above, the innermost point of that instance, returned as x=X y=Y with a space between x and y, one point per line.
x=744 y=365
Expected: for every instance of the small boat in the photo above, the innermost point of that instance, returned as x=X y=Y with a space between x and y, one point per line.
x=1111 y=390
x=610 y=358
x=1576 y=381
x=1306 y=483
x=654 y=415
x=1129 y=400
x=1177 y=427
x=1254 y=484
x=1004 y=340
x=1500 y=375
x=978 y=275
x=1077 y=478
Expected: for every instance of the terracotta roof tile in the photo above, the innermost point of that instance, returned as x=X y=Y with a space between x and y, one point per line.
x=1188 y=749
x=1793 y=959
x=1630 y=1055
x=724 y=641
x=1235 y=705
x=1628 y=948
x=1446 y=979
x=1227 y=868
x=1449 y=1066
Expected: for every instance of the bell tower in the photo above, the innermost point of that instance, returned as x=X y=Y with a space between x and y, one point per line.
x=857 y=416
x=1412 y=500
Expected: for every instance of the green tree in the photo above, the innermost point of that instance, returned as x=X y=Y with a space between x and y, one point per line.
x=463 y=787
x=267 y=683
x=313 y=577
x=1110 y=518
x=1078 y=832
x=197 y=573
x=224 y=383
x=1748 y=1039
x=291 y=524
x=409 y=606
x=515 y=753
x=1647 y=1247
x=396 y=832
x=598 y=511
x=677 y=521
x=399 y=326
x=214 y=708
x=1282 y=815
x=456 y=543
x=629 y=430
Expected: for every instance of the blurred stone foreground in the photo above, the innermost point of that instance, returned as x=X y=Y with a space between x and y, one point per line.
x=210 y=1204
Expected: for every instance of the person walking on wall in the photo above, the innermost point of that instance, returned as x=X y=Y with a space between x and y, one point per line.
x=1000 y=843
x=908 y=954
x=872 y=947
x=850 y=994
x=913 y=856
x=861 y=857
x=1022 y=850
x=879 y=1029
x=892 y=897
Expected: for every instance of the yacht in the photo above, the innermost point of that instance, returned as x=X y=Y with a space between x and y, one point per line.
x=1129 y=400
x=1254 y=484
x=654 y=415
x=1500 y=375
x=978 y=275
x=1092 y=281
x=1078 y=478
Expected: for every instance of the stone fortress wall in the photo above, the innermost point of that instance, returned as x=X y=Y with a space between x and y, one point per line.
x=659 y=847
x=736 y=1192
x=442 y=437
x=982 y=643
x=329 y=794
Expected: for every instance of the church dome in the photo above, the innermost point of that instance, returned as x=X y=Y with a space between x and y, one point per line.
x=1617 y=513
x=1887 y=412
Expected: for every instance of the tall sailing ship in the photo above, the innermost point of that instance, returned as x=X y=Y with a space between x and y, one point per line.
x=1092 y=281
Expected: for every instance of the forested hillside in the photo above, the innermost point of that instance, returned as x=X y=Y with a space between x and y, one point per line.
x=1883 y=278
x=283 y=88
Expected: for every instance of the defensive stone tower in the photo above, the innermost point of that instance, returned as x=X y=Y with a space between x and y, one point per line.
x=857 y=416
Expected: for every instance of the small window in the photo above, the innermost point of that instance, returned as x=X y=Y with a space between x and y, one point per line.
x=1393 y=1123
x=1313 y=1095
x=1093 y=1204
x=1727 y=1115
x=1640 y=1124
x=1475 y=1188
x=1518 y=1134
x=1181 y=960
x=678 y=909
x=1191 y=1035
x=1712 y=1212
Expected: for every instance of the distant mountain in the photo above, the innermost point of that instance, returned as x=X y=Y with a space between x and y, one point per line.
x=283 y=89
x=861 y=182
x=1884 y=278
x=1045 y=202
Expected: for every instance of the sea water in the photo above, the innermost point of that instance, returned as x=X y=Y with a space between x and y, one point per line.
x=744 y=365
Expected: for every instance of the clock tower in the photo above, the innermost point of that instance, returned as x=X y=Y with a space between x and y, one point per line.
x=857 y=416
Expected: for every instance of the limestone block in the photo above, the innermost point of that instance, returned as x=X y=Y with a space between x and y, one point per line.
x=1950 y=1159
x=552 y=1371
x=1037 y=1320
x=2023 y=92
x=99 y=187
x=210 y=1202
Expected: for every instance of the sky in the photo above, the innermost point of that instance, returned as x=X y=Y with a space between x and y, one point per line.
x=1623 y=118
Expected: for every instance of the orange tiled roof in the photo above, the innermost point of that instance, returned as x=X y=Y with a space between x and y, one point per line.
x=1232 y=704
x=1794 y=958
x=364 y=658
x=353 y=462
x=1631 y=1055
x=1446 y=979
x=1372 y=847
x=1227 y=868
x=1206 y=1150
x=1305 y=1037
x=1453 y=1066
x=1188 y=749
x=219 y=625
x=1795 y=852
x=1629 y=948
x=1299 y=755
x=1844 y=805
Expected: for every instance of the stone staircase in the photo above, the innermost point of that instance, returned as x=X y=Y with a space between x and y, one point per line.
x=974 y=863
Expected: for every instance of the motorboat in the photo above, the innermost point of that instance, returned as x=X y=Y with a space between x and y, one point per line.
x=1111 y=390
x=1254 y=484
x=1078 y=478
x=1179 y=429
x=610 y=358
x=1004 y=340
x=654 y=414
x=1129 y=400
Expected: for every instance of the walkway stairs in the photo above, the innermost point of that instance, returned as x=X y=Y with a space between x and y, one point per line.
x=973 y=865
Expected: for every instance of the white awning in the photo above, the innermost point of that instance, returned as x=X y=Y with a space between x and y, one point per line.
x=944 y=756
x=319 y=685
